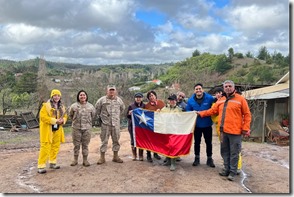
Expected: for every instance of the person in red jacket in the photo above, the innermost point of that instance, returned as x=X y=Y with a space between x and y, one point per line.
x=234 y=120
x=154 y=104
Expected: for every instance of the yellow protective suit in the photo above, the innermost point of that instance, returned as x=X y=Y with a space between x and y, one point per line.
x=214 y=119
x=49 y=140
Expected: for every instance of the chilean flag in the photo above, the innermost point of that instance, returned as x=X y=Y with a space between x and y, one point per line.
x=169 y=134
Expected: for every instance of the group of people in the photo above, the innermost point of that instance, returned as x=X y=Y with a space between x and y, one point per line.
x=53 y=116
x=227 y=109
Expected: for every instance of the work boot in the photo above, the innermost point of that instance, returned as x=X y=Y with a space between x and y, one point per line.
x=140 y=154
x=196 y=161
x=75 y=161
x=102 y=158
x=173 y=164
x=134 y=151
x=167 y=162
x=54 y=166
x=224 y=172
x=85 y=161
x=156 y=156
x=210 y=163
x=116 y=157
x=149 y=159
x=231 y=176
x=41 y=171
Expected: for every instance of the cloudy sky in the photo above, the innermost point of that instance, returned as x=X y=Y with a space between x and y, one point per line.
x=99 y=32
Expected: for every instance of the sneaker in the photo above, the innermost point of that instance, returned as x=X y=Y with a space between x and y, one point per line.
x=54 y=166
x=210 y=163
x=149 y=159
x=224 y=173
x=239 y=171
x=196 y=162
x=156 y=156
x=231 y=176
x=41 y=171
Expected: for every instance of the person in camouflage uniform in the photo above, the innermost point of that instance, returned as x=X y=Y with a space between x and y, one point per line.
x=82 y=114
x=108 y=109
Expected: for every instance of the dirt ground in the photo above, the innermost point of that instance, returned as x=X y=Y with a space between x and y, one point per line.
x=265 y=170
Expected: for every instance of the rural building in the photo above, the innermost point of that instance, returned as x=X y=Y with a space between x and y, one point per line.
x=268 y=104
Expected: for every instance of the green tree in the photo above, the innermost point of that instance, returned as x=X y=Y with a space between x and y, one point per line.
x=231 y=54
x=26 y=83
x=20 y=100
x=239 y=55
x=263 y=53
x=7 y=79
x=249 y=54
x=196 y=53
x=221 y=64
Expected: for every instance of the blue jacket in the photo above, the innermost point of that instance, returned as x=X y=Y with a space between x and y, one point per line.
x=206 y=103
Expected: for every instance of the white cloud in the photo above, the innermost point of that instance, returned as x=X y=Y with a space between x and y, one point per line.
x=252 y=19
x=108 y=32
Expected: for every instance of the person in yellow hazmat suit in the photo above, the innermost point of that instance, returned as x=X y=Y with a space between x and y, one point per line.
x=218 y=93
x=52 y=117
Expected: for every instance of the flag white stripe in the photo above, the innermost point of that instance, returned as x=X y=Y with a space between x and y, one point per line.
x=174 y=123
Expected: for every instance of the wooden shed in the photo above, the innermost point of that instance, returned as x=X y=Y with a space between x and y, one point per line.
x=268 y=104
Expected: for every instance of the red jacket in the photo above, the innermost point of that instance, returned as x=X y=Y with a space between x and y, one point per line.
x=237 y=116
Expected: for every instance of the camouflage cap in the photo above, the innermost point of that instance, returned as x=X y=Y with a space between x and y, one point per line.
x=111 y=87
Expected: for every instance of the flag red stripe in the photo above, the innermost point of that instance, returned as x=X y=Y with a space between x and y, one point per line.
x=166 y=144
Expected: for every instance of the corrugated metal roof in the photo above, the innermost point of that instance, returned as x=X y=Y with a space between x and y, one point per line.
x=256 y=93
x=272 y=95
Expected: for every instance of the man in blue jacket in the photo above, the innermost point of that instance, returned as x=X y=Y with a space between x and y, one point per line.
x=200 y=101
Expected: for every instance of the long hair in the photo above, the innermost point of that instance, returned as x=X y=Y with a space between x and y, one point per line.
x=78 y=99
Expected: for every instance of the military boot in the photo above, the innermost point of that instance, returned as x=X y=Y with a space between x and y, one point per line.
x=116 y=157
x=75 y=161
x=140 y=154
x=134 y=151
x=102 y=158
x=85 y=161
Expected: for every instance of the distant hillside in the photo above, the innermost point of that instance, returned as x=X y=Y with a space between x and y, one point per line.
x=212 y=70
x=29 y=82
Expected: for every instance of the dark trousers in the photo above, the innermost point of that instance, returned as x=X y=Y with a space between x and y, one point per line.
x=230 y=149
x=149 y=153
x=207 y=133
x=131 y=136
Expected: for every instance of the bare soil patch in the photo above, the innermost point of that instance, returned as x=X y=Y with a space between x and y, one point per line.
x=265 y=170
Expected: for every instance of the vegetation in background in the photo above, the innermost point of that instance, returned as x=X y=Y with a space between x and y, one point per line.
x=26 y=84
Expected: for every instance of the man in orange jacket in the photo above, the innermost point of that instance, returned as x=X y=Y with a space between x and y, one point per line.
x=234 y=119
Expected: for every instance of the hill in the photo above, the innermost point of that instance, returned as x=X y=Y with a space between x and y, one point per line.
x=28 y=83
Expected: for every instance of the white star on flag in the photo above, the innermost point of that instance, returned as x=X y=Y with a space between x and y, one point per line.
x=143 y=118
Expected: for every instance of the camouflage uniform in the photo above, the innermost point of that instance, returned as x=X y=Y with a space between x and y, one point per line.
x=82 y=116
x=109 y=111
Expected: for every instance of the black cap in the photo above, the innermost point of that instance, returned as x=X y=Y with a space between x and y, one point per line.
x=139 y=94
x=172 y=97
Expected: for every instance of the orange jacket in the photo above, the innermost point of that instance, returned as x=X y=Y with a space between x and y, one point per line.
x=237 y=116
